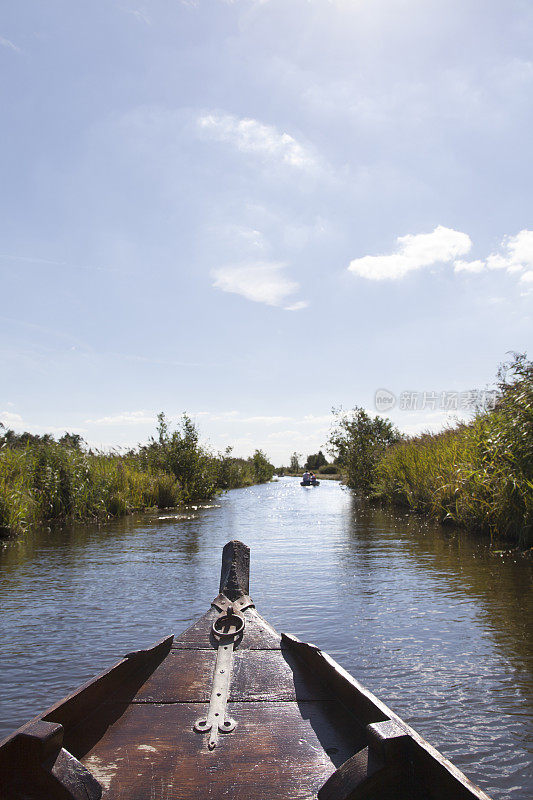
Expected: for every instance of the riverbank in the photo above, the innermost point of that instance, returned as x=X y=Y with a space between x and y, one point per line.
x=321 y=476
x=476 y=475
x=43 y=480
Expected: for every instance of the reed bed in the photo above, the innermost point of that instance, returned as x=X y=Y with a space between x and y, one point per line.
x=47 y=482
x=477 y=475
x=43 y=480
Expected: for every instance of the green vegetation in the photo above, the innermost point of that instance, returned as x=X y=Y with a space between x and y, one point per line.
x=263 y=470
x=477 y=475
x=294 y=465
x=47 y=480
x=359 y=442
x=43 y=480
x=315 y=461
x=329 y=469
x=180 y=454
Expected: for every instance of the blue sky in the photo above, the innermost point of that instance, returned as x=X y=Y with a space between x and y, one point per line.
x=254 y=211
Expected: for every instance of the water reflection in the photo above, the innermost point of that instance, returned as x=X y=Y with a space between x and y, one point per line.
x=432 y=621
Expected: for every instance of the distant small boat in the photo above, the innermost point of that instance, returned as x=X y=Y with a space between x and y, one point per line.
x=310 y=483
x=229 y=710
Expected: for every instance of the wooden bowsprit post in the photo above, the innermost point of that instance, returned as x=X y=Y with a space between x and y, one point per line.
x=226 y=632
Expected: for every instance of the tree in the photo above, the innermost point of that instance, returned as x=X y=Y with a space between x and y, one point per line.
x=263 y=469
x=358 y=441
x=316 y=461
x=295 y=462
x=181 y=453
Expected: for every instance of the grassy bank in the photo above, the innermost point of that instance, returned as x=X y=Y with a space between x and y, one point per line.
x=477 y=475
x=43 y=480
x=336 y=476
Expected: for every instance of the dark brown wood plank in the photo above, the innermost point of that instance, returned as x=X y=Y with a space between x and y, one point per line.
x=273 y=675
x=185 y=676
x=258 y=634
x=278 y=751
x=235 y=570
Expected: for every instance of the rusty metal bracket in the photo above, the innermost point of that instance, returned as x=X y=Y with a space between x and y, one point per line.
x=227 y=630
x=222 y=603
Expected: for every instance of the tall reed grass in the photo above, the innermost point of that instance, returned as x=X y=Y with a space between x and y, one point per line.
x=48 y=481
x=42 y=480
x=477 y=475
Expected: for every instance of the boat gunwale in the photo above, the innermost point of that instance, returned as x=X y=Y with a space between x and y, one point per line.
x=365 y=708
x=338 y=675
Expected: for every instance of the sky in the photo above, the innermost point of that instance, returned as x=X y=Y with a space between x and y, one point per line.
x=260 y=210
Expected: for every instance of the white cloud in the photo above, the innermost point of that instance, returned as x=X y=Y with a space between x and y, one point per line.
x=518 y=253
x=294 y=439
x=526 y=281
x=267 y=419
x=126 y=418
x=215 y=416
x=9 y=419
x=414 y=252
x=290 y=434
x=469 y=266
x=262 y=282
x=10 y=46
x=252 y=136
x=315 y=419
x=443 y=245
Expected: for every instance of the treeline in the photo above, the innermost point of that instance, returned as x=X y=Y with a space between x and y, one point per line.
x=43 y=480
x=317 y=462
x=477 y=475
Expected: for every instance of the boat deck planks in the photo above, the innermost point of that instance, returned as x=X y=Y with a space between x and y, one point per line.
x=291 y=731
x=258 y=635
x=305 y=729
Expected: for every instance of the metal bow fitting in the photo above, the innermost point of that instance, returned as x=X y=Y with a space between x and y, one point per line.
x=227 y=629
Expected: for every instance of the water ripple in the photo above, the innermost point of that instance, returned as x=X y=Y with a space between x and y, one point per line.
x=430 y=620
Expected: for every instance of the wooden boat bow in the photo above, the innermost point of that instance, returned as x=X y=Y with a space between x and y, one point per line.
x=229 y=709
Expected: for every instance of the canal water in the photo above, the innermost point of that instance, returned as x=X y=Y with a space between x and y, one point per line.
x=436 y=623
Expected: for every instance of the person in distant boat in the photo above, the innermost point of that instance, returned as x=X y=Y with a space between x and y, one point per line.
x=306 y=476
x=312 y=476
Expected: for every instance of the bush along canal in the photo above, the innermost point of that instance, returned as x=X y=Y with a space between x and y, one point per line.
x=476 y=475
x=43 y=480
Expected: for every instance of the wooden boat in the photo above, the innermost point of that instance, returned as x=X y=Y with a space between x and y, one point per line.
x=229 y=710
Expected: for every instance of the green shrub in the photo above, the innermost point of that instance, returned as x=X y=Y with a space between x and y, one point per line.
x=233 y=472
x=166 y=491
x=315 y=461
x=263 y=470
x=181 y=454
x=329 y=469
x=358 y=442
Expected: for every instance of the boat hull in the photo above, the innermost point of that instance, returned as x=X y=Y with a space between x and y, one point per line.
x=304 y=728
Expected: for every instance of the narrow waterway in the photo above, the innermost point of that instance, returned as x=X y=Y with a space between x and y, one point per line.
x=437 y=624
